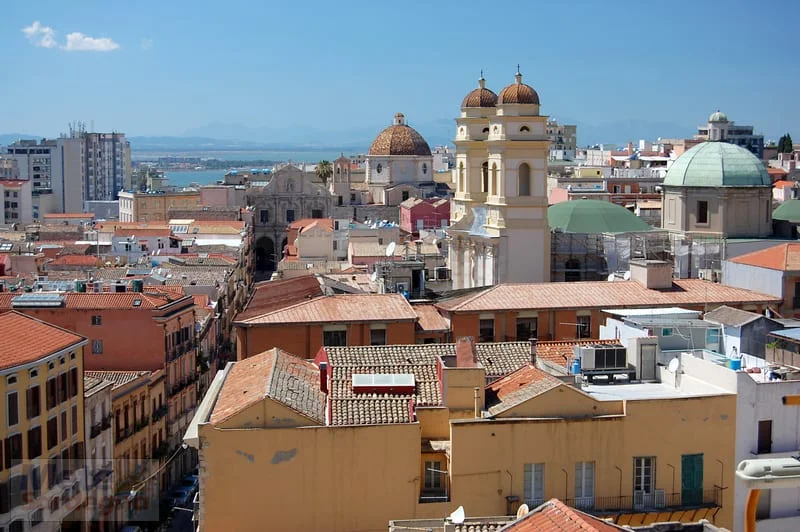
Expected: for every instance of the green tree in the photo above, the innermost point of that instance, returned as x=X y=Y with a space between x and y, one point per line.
x=324 y=171
x=785 y=144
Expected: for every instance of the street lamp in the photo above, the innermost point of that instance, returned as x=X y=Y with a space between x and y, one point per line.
x=765 y=473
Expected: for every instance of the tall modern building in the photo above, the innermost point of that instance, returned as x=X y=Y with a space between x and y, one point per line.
x=719 y=128
x=499 y=231
x=106 y=162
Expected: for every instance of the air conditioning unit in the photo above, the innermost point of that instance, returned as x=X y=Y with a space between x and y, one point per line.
x=602 y=357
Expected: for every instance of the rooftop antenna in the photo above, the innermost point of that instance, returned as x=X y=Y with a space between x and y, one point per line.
x=673 y=367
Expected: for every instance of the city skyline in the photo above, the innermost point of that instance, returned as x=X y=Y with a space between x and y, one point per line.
x=166 y=70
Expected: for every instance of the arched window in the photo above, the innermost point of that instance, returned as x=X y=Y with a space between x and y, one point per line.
x=485 y=177
x=461 y=176
x=524 y=129
x=494 y=179
x=524 y=176
x=486 y=130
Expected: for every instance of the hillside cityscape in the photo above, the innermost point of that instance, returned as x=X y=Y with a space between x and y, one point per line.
x=467 y=295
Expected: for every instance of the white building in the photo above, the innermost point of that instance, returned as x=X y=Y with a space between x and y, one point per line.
x=17 y=202
x=563 y=140
x=499 y=231
x=99 y=445
x=444 y=158
x=106 y=159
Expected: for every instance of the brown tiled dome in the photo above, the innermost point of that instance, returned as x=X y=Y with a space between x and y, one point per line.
x=399 y=139
x=518 y=92
x=480 y=97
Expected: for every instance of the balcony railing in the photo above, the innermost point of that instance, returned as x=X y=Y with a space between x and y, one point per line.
x=95 y=431
x=180 y=384
x=429 y=496
x=123 y=435
x=160 y=412
x=161 y=451
x=648 y=502
x=142 y=423
x=106 y=423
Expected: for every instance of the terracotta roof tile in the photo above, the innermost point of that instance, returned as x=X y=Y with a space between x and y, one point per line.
x=92 y=385
x=783 y=257
x=269 y=296
x=340 y=308
x=555 y=516
x=75 y=260
x=601 y=294
x=430 y=319
x=119 y=378
x=24 y=339
x=277 y=375
x=517 y=387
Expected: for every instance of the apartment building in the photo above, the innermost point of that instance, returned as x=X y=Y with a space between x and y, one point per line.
x=154 y=206
x=42 y=483
x=633 y=450
x=17 y=196
x=138 y=411
x=106 y=164
x=774 y=270
x=99 y=450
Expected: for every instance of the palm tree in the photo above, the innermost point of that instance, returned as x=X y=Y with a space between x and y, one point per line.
x=324 y=171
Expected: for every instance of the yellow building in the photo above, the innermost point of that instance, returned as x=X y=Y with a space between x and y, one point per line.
x=154 y=206
x=372 y=433
x=42 y=481
x=138 y=412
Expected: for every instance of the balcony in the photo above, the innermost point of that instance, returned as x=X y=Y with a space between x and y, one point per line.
x=160 y=412
x=96 y=429
x=106 y=423
x=123 y=435
x=161 y=451
x=142 y=423
x=645 y=502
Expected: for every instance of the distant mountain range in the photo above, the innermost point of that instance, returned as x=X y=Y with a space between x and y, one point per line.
x=226 y=136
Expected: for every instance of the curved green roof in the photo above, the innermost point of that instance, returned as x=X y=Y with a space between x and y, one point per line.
x=789 y=210
x=717 y=164
x=718 y=116
x=588 y=216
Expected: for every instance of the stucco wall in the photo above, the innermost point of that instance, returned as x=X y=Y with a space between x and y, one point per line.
x=752 y=278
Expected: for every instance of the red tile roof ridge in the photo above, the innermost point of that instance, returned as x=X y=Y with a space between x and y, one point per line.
x=555 y=515
x=312 y=300
x=475 y=296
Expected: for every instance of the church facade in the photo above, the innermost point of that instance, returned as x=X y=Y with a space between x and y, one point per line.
x=499 y=231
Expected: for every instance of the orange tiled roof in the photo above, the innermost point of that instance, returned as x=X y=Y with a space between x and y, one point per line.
x=776 y=171
x=783 y=183
x=24 y=339
x=430 y=319
x=340 y=308
x=100 y=300
x=119 y=378
x=783 y=257
x=269 y=296
x=201 y=300
x=561 y=353
x=326 y=224
x=75 y=260
x=555 y=516
x=275 y=374
x=601 y=294
x=513 y=382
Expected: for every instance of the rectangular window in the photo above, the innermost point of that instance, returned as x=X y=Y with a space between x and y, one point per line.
x=13 y=409
x=13 y=450
x=644 y=474
x=433 y=476
x=36 y=481
x=51 y=393
x=34 y=443
x=97 y=320
x=64 y=431
x=335 y=245
x=17 y=490
x=527 y=328
x=702 y=212
x=486 y=330
x=74 y=420
x=316 y=213
x=584 y=485
x=289 y=216
x=712 y=337
x=764 y=436
x=534 y=484
x=34 y=402
x=264 y=216
x=583 y=327
x=97 y=347
x=62 y=387
x=405 y=195
x=666 y=331
x=52 y=432
x=73 y=382
x=377 y=337
x=334 y=338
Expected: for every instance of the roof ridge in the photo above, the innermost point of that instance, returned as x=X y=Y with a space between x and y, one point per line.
x=298 y=304
x=477 y=295
x=273 y=366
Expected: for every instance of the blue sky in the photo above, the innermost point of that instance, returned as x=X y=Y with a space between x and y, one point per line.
x=153 y=67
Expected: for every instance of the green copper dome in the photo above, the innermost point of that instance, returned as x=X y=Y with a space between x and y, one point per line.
x=718 y=116
x=588 y=216
x=717 y=164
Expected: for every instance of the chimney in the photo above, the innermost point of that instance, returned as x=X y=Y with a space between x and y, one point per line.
x=533 y=342
x=466 y=357
x=323 y=377
x=630 y=148
x=477 y=397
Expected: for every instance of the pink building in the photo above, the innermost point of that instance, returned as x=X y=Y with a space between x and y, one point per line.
x=416 y=214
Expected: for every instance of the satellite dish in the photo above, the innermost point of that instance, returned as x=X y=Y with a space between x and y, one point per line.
x=674 y=364
x=627 y=275
x=611 y=277
x=522 y=511
x=374 y=276
x=458 y=516
x=390 y=249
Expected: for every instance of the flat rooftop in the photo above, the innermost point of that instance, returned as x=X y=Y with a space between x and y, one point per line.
x=648 y=390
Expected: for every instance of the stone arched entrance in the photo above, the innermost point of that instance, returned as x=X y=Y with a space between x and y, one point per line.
x=265 y=254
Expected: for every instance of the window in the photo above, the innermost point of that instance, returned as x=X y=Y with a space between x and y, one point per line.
x=34 y=442
x=461 y=177
x=584 y=485
x=495 y=184
x=527 y=328
x=52 y=432
x=666 y=331
x=524 y=176
x=74 y=420
x=37 y=517
x=534 y=484
x=583 y=327
x=11 y=379
x=36 y=481
x=97 y=347
x=13 y=409
x=524 y=129
x=62 y=387
x=13 y=450
x=424 y=168
x=289 y=215
x=702 y=212
x=73 y=382
x=485 y=177
x=53 y=475
x=63 y=426
x=404 y=195
x=644 y=474
x=377 y=337
x=712 y=337
x=51 y=393
x=764 y=436
x=316 y=213
x=335 y=245
x=334 y=338
x=486 y=332
x=17 y=489
x=264 y=216
x=97 y=320
x=433 y=476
